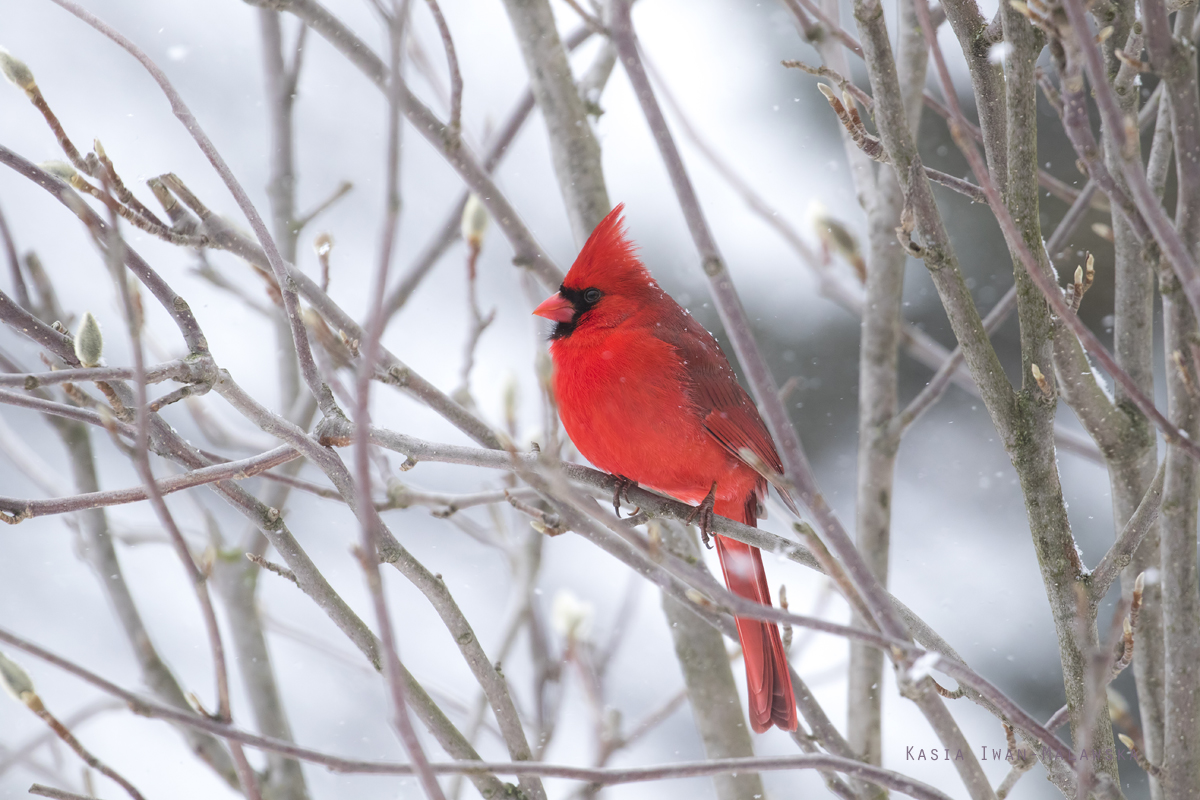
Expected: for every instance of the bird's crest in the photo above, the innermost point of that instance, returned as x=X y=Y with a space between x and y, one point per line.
x=608 y=260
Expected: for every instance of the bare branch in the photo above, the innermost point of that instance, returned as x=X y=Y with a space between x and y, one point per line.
x=344 y=188
x=573 y=146
x=58 y=794
x=271 y=566
x=34 y=703
x=456 y=81
x=14 y=264
x=940 y=382
x=396 y=372
x=19 y=753
x=180 y=370
x=391 y=551
x=236 y=470
x=1121 y=553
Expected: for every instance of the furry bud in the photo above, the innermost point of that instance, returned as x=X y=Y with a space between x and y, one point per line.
x=16 y=71
x=89 y=341
x=16 y=680
x=59 y=169
x=474 y=221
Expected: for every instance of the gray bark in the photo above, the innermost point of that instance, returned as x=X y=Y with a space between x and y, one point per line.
x=1032 y=451
x=1180 y=579
x=573 y=146
x=1180 y=600
x=878 y=382
x=1131 y=467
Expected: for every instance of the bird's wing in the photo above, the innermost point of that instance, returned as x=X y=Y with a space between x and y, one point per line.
x=735 y=423
x=730 y=416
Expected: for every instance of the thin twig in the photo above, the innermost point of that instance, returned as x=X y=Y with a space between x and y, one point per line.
x=58 y=794
x=34 y=703
x=151 y=226
x=479 y=323
x=14 y=264
x=446 y=505
x=180 y=370
x=101 y=555
x=1021 y=765
x=311 y=581
x=17 y=754
x=871 y=146
x=175 y=306
x=592 y=20
x=344 y=188
x=370 y=521
x=397 y=373
x=236 y=470
x=107 y=421
x=1120 y=554
x=801 y=8
x=456 y=81
x=918 y=344
x=271 y=566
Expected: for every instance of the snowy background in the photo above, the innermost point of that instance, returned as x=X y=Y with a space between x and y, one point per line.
x=961 y=552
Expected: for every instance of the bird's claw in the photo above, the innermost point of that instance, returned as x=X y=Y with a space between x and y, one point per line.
x=703 y=514
x=622 y=491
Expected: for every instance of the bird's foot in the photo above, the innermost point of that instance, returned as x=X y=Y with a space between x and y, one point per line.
x=622 y=491
x=703 y=514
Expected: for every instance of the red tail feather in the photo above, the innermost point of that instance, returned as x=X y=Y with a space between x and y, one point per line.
x=768 y=680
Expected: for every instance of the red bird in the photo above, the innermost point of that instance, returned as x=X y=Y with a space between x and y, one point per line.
x=646 y=394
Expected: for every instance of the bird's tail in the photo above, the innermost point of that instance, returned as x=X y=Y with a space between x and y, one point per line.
x=767 y=677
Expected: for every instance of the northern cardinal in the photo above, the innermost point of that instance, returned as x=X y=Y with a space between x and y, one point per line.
x=646 y=394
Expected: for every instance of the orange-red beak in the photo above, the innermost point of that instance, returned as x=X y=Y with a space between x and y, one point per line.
x=557 y=308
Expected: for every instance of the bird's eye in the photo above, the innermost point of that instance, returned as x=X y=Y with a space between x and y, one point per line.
x=591 y=296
